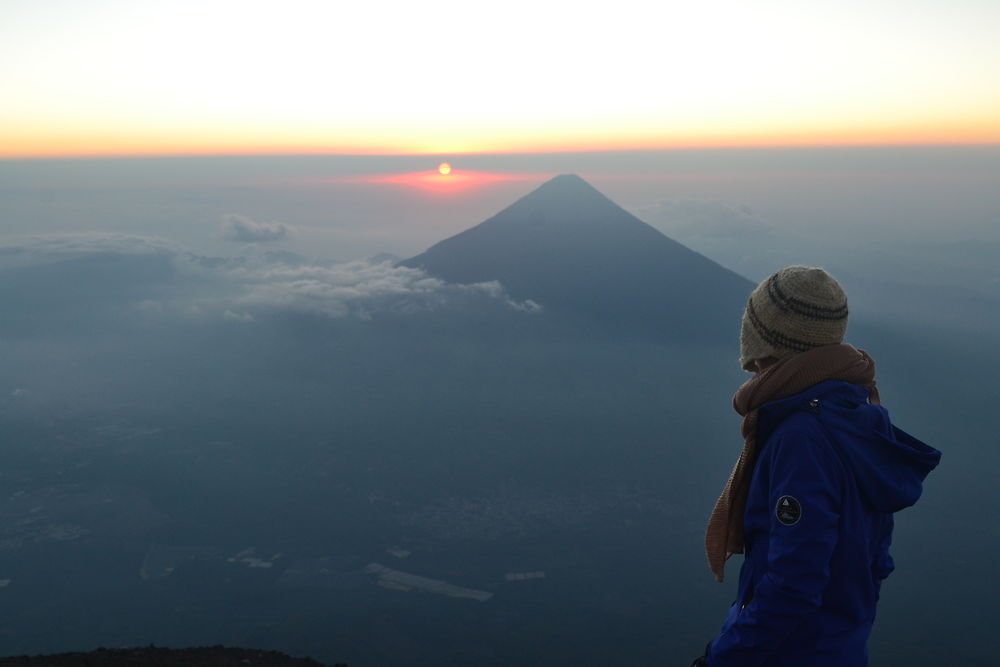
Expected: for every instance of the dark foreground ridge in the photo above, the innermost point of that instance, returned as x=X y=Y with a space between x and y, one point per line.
x=154 y=656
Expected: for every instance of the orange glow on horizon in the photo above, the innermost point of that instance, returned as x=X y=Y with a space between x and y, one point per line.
x=436 y=181
x=138 y=149
x=28 y=141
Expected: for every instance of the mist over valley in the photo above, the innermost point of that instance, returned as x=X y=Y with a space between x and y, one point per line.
x=234 y=413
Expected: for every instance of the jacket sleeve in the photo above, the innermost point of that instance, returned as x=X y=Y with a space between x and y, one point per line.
x=806 y=476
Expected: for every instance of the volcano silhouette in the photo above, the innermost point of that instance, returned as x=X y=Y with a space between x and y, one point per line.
x=575 y=252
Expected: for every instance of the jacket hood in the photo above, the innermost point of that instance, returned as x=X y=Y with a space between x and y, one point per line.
x=889 y=464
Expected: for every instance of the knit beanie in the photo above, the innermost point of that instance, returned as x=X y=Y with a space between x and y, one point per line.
x=794 y=310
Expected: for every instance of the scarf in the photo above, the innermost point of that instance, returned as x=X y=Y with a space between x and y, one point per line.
x=724 y=535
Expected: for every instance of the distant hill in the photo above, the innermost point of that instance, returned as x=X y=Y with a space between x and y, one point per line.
x=574 y=251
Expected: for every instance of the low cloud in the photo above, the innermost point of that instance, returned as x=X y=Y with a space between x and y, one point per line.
x=698 y=219
x=360 y=288
x=47 y=249
x=237 y=317
x=241 y=229
x=494 y=289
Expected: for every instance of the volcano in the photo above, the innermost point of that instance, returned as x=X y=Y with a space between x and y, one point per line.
x=575 y=252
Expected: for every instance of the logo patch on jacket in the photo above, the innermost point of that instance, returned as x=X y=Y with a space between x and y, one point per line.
x=788 y=510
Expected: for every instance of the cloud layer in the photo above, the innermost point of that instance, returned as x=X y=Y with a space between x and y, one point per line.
x=234 y=289
x=358 y=288
x=241 y=229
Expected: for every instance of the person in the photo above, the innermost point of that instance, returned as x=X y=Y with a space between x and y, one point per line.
x=810 y=501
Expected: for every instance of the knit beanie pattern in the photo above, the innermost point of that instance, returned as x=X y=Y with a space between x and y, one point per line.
x=796 y=309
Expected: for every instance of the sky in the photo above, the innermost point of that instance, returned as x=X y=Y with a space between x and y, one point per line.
x=178 y=178
x=137 y=77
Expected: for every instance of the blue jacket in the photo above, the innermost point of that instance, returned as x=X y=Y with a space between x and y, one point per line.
x=830 y=471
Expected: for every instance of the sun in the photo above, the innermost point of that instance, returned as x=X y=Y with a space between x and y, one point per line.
x=444 y=168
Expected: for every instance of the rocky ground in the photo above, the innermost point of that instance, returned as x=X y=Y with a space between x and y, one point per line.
x=153 y=656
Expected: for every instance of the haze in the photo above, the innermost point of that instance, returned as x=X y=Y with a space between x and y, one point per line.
x=232 y=416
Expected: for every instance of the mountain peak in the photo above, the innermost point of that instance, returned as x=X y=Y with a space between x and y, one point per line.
x=565 y=188
x=565 y=182
x=565 y=202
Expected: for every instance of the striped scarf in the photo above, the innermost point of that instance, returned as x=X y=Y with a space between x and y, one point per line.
x=724 y=535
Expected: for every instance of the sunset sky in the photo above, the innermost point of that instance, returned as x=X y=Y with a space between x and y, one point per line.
x=138 y=77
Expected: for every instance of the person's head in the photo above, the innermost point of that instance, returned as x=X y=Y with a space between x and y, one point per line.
x=795 y=309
